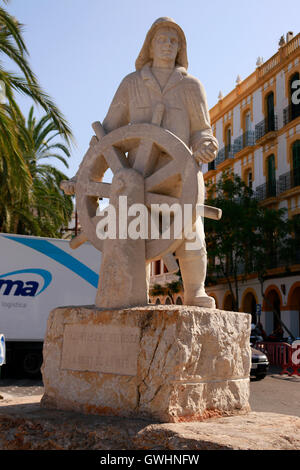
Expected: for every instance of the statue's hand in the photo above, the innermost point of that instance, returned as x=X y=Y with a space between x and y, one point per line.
x=206 y=152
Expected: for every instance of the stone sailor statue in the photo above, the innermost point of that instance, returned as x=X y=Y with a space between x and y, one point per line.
x=161 y=78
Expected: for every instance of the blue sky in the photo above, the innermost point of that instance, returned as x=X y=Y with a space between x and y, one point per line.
x=81 y=50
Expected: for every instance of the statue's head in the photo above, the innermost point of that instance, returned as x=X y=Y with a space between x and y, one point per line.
x=164 y=30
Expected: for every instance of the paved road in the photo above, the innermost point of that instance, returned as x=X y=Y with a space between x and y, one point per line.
x=276 y=393
x=20 y=387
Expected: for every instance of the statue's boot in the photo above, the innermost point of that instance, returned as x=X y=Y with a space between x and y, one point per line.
x=193 y=271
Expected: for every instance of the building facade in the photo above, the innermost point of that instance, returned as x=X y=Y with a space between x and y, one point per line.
x=258 y=129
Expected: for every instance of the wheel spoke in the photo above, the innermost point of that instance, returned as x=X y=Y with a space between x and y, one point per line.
x=161 y=175
x=153 y=198
x=115 y=159
x=143 y=157
x=98 y=189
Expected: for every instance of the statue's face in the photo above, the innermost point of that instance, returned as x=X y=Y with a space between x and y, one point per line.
x=165 y=44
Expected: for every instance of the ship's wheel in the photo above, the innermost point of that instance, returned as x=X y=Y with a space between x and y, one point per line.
x=169 y=170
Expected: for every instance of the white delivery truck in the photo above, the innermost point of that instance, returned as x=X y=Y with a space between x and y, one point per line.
x=36 y=275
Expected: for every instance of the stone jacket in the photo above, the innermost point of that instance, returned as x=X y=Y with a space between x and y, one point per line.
x=186 y=111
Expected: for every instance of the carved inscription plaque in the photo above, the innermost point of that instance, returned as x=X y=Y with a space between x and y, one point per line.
x=102 y=348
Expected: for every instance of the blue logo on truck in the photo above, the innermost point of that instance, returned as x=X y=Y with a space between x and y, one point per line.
x=60 y=256
x=17 y=287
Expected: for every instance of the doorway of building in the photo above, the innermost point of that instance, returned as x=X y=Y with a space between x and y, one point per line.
x=295 y=305
x=273 y=305
x=249 y=306
x=228 y=303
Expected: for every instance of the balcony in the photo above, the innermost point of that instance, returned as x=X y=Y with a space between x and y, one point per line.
x=273 y=188
x=266 y=190
x=289 y=180
x=224 y=154
x=266 y=126
x=245 y=140
x=290 y=113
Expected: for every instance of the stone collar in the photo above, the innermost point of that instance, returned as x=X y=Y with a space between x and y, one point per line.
x=176 y=76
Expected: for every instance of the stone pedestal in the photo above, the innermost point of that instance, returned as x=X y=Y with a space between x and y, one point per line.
x=166 y=363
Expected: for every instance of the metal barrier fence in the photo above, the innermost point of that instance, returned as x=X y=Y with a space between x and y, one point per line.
x=285 y=355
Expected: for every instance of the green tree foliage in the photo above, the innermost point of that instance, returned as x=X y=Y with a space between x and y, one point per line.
x=249 y=238
x=44 y=209
x=168 y=289
x=30 y=199
x=229 y=240
x=12 y=46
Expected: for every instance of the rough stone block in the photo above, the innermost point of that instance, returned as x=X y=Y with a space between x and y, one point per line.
x=167 y=363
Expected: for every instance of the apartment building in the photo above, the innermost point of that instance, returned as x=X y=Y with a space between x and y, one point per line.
x=258 y=128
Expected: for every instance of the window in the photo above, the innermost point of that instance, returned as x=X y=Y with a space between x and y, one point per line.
x=271 y=178
x=247 y=124
x=247 y=129
x=270 y=121
x=296 y=163
x=249 y=179
x=227 y=141
x=156 y=267
x=211 y=165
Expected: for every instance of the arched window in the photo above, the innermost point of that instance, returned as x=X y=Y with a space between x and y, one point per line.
x=296 y=162
x=157 y=301
x=271 y=178
x=248 y=178
x=270 y=120
x=228 y=135
x=249 y=306
x=247 y=121
x=178 y=301
x=157 y=267
x=273 y=306
x=168 y=301
x=228 y=303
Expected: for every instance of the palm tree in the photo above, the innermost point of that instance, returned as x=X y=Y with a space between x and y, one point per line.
x=15 y=177
x=13 y=47
x=44 y=209
x=20 y=182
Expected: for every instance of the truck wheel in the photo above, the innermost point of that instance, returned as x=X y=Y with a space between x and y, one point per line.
x=32 y=363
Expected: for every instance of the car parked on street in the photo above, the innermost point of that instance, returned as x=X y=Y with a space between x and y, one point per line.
x=259 y=364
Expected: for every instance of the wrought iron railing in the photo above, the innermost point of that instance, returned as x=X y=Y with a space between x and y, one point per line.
x=272 y=188
x=224 y=153
x=245 y=140
x=265 y=126
x=289 y=180
x=266 y=190
x=290 y=113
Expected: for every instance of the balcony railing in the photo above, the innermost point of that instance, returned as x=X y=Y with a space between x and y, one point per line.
x=272 y=188
x=267 y=125
x=224 y=153
x=266 y=190
x=290 y=113
x=245 y=140
x=289 y=180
